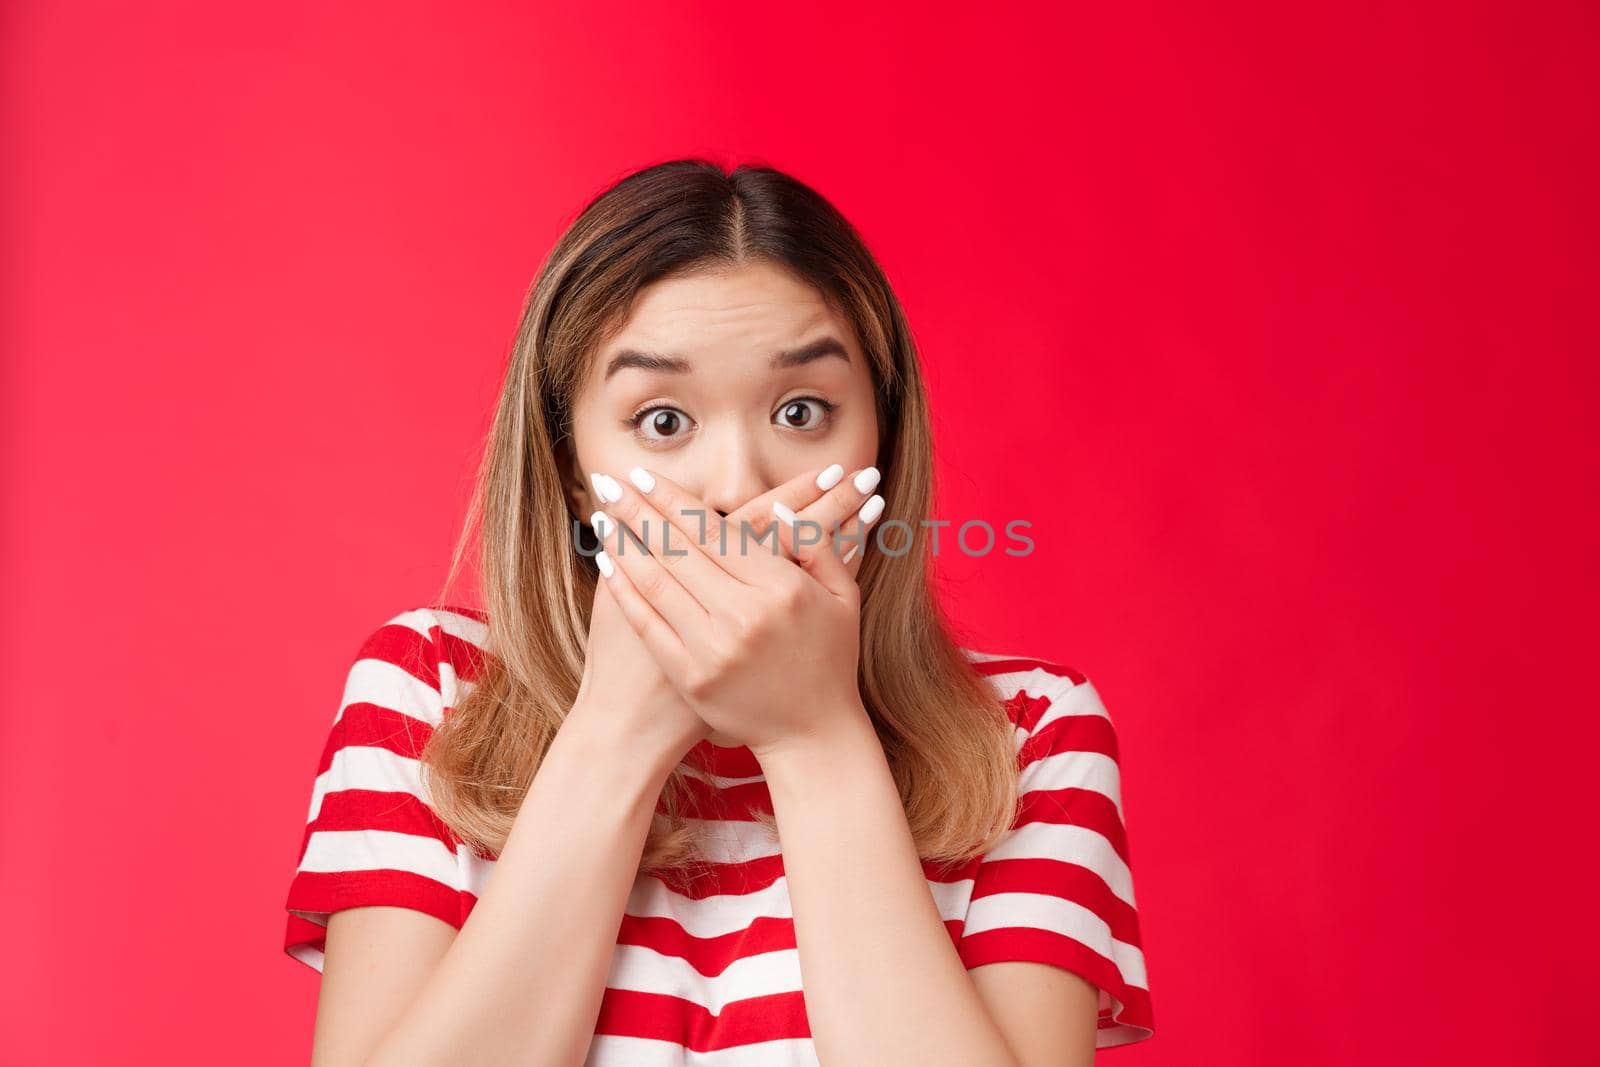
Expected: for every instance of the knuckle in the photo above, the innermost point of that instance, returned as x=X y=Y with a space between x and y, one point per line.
x=789 y=592
x=626 y=508
x=747 y=621
x=700 y=683
x=652 y=583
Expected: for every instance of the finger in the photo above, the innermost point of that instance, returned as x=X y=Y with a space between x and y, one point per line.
x=851 y=498
x=648 y=578
x=845 y=544
x=758 y=521
x=850 y=544
x=664 y=518
x=657 y=635
x=822 y=561
x=718 y=568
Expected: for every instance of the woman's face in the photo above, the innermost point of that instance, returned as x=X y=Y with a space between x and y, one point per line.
x=728 y=383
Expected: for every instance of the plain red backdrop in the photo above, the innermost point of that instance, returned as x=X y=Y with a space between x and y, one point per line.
x=1278 y=325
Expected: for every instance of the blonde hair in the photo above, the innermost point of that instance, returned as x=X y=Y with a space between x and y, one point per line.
x=947 y=737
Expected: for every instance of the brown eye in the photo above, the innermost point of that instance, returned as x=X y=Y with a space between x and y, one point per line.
x=806 y=413
x=659 y=423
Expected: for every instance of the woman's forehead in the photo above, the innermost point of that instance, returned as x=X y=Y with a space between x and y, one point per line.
x=752 y=305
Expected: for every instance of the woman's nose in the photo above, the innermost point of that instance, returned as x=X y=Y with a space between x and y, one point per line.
x=731 y=479
x=727 y=497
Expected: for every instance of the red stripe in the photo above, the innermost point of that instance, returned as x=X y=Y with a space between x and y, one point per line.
x=1019 y=664
x=661 y=1017
x=708 y=955
x=1075 y=807
x=330 y=891
x=711 y=879
x=1068 y=881
x=368 y=809
x=405 y=648
x=736 y=803
x=375 y=726
x=736 y=762
x=468 y=660
x=1045 y=946
x=1069 y=733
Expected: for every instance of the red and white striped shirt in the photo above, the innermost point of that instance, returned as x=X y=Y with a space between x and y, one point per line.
x=707 y=972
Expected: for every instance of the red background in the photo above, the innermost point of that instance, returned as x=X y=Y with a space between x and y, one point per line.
x=1278 y=325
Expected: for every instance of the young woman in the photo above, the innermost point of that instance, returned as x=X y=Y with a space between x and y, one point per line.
x=547 y=831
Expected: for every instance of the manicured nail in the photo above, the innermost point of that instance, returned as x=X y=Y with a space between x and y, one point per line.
x=601 y=522
x=850 y=555
x=784 y=512
x=867 y=480
x=606 y=488
x=603 y=561
x=871 y=509
x=642 y=478
x=830 y=477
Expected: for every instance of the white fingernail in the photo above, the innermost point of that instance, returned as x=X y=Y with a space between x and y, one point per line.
x=601 y=523
x=642 y=478
x=867 y=480
x=603 y=561
x=848 y=556
x=871 y=509
x=784 y=512
x=830 y=477
x=606 y=487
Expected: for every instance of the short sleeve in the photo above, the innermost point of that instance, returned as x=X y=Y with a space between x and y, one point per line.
x=1059 y=888
x=371 y=835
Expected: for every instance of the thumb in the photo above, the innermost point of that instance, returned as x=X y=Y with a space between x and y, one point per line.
x=822 y=561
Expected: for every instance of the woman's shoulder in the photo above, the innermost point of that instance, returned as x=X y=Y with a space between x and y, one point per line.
x=435 y=646
x=434 y=621
x=1030 y=686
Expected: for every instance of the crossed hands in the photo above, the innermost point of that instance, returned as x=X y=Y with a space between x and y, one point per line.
x=752 y=622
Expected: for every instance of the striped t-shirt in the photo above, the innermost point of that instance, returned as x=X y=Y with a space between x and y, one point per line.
x=706 y=971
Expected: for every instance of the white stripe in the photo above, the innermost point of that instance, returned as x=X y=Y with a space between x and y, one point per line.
x=331 y=851
x=376 y=681
x=608 y=1049
x=423 y=620
x=362 y=767
x=1069 y=844
x=732 y=840
x=1039 y=683
x=1042 y=911
x=718 y=780
x=644 y=970
x=455 y=624
x=454 y=689
x=307 y=954
x=1072 y=700
x=1075 y=770
x=727 y=913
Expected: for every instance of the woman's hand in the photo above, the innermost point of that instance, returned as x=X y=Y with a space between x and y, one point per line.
x=755 y=621
x=624 y=689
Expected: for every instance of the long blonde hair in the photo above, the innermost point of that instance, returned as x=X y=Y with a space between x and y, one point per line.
x=945 y=733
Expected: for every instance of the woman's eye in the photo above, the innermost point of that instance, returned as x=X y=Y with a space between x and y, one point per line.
x=805 y=413
x=660 y=423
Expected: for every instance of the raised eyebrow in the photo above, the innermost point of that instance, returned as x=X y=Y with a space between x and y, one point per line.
x=819 y=349
x=630 y=357
x=794 y=357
